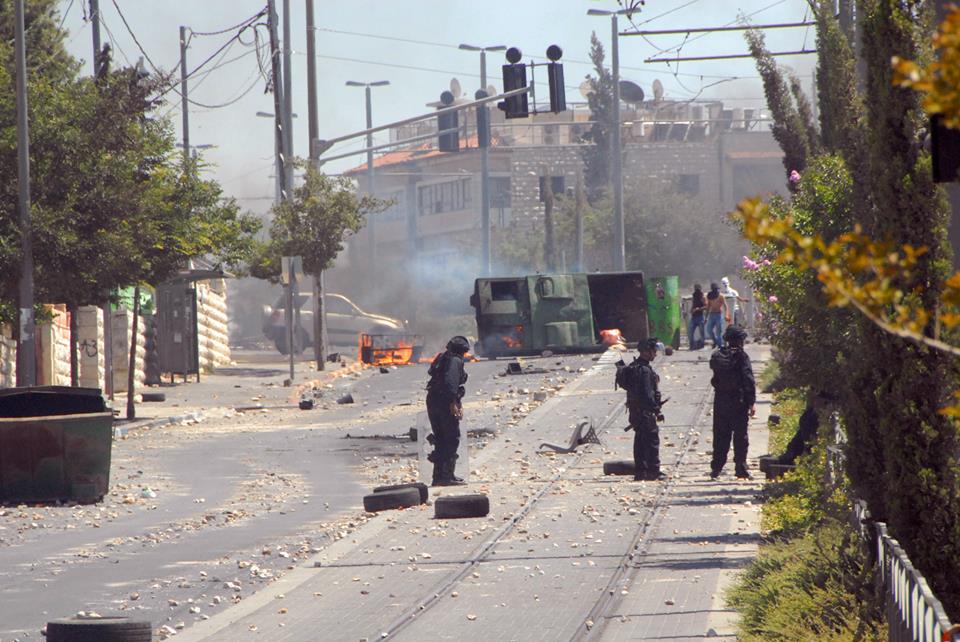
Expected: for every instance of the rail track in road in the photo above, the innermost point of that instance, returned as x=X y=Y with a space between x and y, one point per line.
x=609 y=597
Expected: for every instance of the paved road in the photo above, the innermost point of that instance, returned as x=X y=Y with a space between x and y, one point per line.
x=566 y=553
x=242 y=498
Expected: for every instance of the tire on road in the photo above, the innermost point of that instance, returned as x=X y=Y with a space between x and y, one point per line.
x=390 y=499
x=619 y=467
x=153 y=396
x=107 y=629
x=420 y=486
x=457 y=506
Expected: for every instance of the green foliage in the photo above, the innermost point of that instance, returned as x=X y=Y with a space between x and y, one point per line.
x=596 y=157
x=313 y=224
x=809 y=589
x=791 y=126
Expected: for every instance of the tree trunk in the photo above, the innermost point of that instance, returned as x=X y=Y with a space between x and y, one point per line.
x=319 y=325
x=132 y=371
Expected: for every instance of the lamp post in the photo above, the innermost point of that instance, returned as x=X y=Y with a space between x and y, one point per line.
x=616 y=153
x=371 y=230
x=484 y=162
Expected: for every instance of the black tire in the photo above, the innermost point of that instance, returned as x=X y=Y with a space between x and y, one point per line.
x=620 y=467
x=457 y=506
x=153 y=396
x=108 y=629
x=390 y=499
x=765 y=461
x=300 y=341
x=420 y=486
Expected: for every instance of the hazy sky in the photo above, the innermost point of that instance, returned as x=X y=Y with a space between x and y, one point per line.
x=413 y=44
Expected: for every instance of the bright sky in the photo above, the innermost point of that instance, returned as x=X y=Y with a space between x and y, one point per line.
x=413 y=44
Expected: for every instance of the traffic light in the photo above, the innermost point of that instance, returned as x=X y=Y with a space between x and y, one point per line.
x=483 y=121
x=514 y=77
x=945 y=150
x=449 y=141
x=558 y=96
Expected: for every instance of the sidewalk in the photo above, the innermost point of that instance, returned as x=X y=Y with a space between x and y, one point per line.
x=566 y=552
x=253 y=382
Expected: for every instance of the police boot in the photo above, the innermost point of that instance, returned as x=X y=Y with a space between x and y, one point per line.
x=451 y=467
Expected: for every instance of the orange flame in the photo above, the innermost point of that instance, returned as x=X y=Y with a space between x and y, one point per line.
x=386 y=350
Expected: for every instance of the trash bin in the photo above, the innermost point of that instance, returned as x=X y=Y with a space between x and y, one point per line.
x=55 y=444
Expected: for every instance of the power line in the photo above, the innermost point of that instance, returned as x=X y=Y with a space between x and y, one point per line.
x=245 y=23
x=63 y=18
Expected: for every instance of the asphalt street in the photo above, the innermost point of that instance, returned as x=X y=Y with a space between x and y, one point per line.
x=205 y=512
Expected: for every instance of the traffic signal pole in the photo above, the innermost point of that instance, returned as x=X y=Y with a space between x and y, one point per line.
x=616 y=156
x=484 y=176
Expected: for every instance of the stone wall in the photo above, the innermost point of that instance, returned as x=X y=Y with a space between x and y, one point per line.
x=54 y=350
x=90 y=347
x=212 y=330
x=122 y=322
x=8 y=358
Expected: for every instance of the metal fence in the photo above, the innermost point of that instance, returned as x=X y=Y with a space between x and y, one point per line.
x=914 y=614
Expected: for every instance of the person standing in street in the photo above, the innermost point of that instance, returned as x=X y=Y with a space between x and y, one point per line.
x=698 y=306
x=734 y=296
x=734 y=402
x=444 y=408
x=717 y=311
x=643 y=405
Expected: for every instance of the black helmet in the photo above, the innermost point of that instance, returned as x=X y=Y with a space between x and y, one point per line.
x=458 y=344
x=734 y=335
x=649 y=344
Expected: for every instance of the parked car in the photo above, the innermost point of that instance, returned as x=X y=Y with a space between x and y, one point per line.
x=345 y=321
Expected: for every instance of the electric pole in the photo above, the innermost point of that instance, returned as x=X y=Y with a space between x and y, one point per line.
x=184 y=103
x=319 y=320
x=26 y=347
x=283 y=159
x=616 y=155
x=287 y=97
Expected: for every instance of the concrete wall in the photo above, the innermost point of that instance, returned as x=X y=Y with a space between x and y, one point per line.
x=212 y=330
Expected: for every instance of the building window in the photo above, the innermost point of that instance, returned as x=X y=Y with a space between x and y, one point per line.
x=550 y=134
x=556 y=185
x=688 y=184
x=452 y=196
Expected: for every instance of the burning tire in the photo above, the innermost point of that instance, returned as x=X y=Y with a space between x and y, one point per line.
x=459 y=506
x=107 y=629
x=391 y=499
x=420 y=486
x=619 y=467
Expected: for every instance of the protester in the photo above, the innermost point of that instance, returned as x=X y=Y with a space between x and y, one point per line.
x=734 y=400
x=643 y=406
x=807 y=428
x=445 y=410
x=698 y=305
x=716 y=313
x=734 y=296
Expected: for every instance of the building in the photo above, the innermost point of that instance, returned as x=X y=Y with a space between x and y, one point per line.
x=432 y=229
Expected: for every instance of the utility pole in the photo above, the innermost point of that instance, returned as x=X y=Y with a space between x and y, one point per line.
x=371 y=223
x=26 y=347
x=616 y=154
x=578 y=214
x=313 y=126
x=548 y=201
x=105 y=308
x=184 y=103
x=283 y=159
x=484 y=175
x=288 y=97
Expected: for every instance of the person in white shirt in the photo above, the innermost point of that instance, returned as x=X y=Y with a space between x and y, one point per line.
x=734 y=301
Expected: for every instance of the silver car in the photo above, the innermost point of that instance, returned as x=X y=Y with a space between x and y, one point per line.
x=345 y=321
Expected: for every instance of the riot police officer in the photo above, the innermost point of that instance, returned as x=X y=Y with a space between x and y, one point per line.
x=643 y=405
x=444 y=408
x=734 y=399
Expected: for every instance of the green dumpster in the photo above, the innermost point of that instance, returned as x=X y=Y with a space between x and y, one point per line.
x=55 y=444
x=663 y=309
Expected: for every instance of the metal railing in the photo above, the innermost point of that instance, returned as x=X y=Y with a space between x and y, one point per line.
x=914 y=614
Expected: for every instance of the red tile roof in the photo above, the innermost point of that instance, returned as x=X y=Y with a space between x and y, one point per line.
x=426 y=150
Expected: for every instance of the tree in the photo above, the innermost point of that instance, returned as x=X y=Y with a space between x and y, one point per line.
x=596 y=157
x=313 y=224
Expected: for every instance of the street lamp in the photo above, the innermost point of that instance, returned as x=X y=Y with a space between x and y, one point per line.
x=616 y=153
x=484 y=160
x=370 y=183
x=194 y=148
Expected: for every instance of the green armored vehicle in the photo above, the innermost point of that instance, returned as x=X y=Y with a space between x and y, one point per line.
x=559 y=312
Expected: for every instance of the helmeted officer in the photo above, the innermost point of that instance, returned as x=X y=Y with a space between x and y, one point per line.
x=643 y=405
x=444 y=392
x=734 y=399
